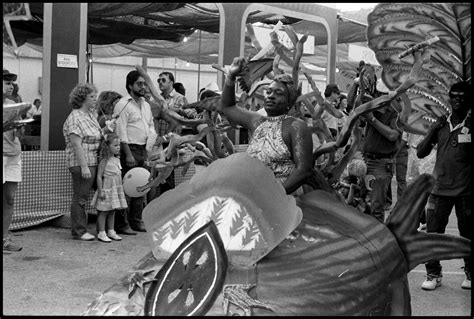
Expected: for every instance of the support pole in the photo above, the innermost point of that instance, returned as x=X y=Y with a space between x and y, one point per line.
x=199 y=67
x=64 y=36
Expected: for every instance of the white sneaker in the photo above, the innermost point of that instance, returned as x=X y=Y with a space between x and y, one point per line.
x=87 y=237
x=113 y=235
x=422 y=227
x=431 y=282
x=103 y=237
x=466 y=284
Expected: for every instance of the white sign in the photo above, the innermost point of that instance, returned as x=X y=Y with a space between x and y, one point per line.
x=67 y=61
x=263 y=36
x=358 y=53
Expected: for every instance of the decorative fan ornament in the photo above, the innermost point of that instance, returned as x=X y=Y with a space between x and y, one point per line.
x=254 y=71
x=190 y=280
x=395 y=27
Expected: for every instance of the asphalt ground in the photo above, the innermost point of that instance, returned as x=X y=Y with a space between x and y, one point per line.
x=56 y=275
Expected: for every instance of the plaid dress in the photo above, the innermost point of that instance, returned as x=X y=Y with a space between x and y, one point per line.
x=113 y=188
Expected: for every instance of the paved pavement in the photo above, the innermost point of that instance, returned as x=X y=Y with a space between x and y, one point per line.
x=56 y=275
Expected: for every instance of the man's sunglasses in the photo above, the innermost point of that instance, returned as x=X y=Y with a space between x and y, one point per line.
x=454 y=95
x=161 y=80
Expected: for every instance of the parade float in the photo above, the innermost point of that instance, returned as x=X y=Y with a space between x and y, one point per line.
x=263 y=252
x=232 y=242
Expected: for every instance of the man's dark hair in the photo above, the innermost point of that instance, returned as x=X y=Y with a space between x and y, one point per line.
x=330 y=89
x=169 y=74
x=132 y=77
x=179 y=87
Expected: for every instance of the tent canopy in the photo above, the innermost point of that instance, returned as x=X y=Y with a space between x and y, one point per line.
x=157 y=30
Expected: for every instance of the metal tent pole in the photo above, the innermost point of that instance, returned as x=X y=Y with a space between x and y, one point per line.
x=199 y=67
x=92 y=65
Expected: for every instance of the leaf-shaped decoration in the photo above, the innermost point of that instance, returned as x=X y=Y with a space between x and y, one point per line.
x=395 y=27
x=161 y=236
x=237 y=222
x=255 y=70
x=184 y=285
x=175 y=228
x=189 y=221
x=217 y=211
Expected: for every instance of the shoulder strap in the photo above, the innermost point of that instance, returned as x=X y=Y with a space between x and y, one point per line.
x=117 y=116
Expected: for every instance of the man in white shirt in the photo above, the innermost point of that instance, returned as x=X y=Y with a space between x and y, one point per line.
x=134 y=128
x=35 y=110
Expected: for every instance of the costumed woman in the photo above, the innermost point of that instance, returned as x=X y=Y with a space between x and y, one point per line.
x=280 y=141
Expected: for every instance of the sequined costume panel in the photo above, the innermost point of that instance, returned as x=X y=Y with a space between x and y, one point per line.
x=267 y=145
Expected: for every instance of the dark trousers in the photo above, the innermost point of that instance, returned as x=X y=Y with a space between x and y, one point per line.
x=437 y=217
x=382 y=170
x=80 y=195
x=131 y=216
x=401 y=167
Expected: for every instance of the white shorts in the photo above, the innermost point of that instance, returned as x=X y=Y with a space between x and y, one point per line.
x=12 y=168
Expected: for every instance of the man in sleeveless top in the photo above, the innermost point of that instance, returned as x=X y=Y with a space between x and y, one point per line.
x=281 y=142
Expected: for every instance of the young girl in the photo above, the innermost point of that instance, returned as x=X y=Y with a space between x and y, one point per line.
x=109 y=195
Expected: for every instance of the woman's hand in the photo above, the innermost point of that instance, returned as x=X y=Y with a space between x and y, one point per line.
x=237 y=66
x=85 y=172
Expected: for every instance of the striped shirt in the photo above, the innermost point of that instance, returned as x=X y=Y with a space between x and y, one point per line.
x=135 y=122
x=84 y=125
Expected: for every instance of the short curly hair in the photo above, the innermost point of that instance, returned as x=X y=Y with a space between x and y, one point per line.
x=79 y=93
